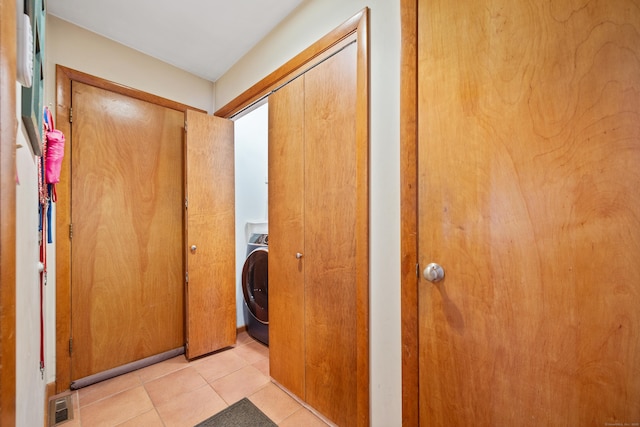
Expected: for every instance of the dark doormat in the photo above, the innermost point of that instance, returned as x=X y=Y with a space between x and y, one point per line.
x=241 y=414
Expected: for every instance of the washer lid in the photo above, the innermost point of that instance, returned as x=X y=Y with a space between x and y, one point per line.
x=255 y=284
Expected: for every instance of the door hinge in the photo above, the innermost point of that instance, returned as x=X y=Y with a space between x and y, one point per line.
x=70 y=115
x=70 y=231
x=70 y=346
x=186 y=277
x=418 y=270
x=185 y=125
x=186 y=203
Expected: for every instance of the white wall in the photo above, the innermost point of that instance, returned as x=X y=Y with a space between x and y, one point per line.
x=251 y=161
x=312 y=20
x=30 y=384
x=81 y=50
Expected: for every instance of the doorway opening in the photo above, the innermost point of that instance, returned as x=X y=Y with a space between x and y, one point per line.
x=251 y=189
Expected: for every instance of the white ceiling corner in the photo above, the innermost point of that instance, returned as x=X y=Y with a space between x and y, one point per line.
x=203 y=37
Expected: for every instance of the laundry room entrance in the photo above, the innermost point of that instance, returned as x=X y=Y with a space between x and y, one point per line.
x=251 y=199
x=302 y=208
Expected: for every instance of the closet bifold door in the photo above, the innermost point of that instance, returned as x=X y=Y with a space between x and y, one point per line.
x=313 y=207
x=286 y=236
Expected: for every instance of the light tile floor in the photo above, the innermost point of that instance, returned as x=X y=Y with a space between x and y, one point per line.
x=179 y=393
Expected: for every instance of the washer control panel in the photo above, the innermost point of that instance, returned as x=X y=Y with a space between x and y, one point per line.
x=259 y=239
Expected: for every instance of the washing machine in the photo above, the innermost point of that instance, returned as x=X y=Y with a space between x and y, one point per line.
x=255 y=287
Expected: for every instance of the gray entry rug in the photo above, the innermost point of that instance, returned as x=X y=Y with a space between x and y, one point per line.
x=241 y=414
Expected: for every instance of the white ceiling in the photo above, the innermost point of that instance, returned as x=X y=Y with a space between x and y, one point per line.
x=203 y=37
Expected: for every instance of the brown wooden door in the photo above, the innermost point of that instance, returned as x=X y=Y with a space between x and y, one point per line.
x=210 y=234
x=126 y=212
x=313 y=211
x=8 y=175
x=286 y=237
x=330 y=212
x=529 y=152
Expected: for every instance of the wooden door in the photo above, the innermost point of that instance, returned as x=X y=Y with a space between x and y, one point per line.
x=126 y=214
x=314 y=211
x=210 y=234
x=8 y=174
x=330 y=230
x=286 y=237
x=529 y=147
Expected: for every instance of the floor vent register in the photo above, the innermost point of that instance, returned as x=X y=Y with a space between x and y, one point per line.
x=60 y=410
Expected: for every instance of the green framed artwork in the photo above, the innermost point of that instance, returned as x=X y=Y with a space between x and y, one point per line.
x=33 y=96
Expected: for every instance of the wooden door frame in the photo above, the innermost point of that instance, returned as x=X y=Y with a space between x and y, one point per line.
x=64 y=77
x=357 y=25
x=8 y=134
x=409 y=212
x=411 y=109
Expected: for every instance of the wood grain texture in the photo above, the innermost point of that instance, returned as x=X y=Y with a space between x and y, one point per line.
x=63 y=245
x=361 y=231
x=355 y=29
x=211 y=302
x=8 y=131
x=64 y=78
x=330 y=209
x=294 y=66
x=286 y=237
x=127 y=293
x=529 y=146
x=409 y=212
x=318 y=202
x=122 y=89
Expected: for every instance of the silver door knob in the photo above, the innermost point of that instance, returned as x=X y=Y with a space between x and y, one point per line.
x=433 y=272
x=193 y=248
x=298 y=255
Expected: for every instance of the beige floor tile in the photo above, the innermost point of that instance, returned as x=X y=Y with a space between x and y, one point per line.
x=163 y=368
x=239 y=384
x=75 y=422
x=75 y=398
x=173 y=385
x=188 y=409
x=274 y=402
x=186 y=393
x=243 y=338
x=262 y=366
x=116 y=409
x=302 y=417
x=252 y=352
x=95 y=392
x=148 y=419
x=218 y=365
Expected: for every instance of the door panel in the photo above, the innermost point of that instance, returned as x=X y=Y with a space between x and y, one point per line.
x=330 y=236
x=313 y=210
x=286 y=236
x=211 y=301
x=127 y=295
x=529 y=149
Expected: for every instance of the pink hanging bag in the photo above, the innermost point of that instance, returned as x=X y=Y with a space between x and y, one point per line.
x=54 y=151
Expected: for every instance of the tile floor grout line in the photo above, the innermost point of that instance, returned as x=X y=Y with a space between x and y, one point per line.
x=244 y=354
